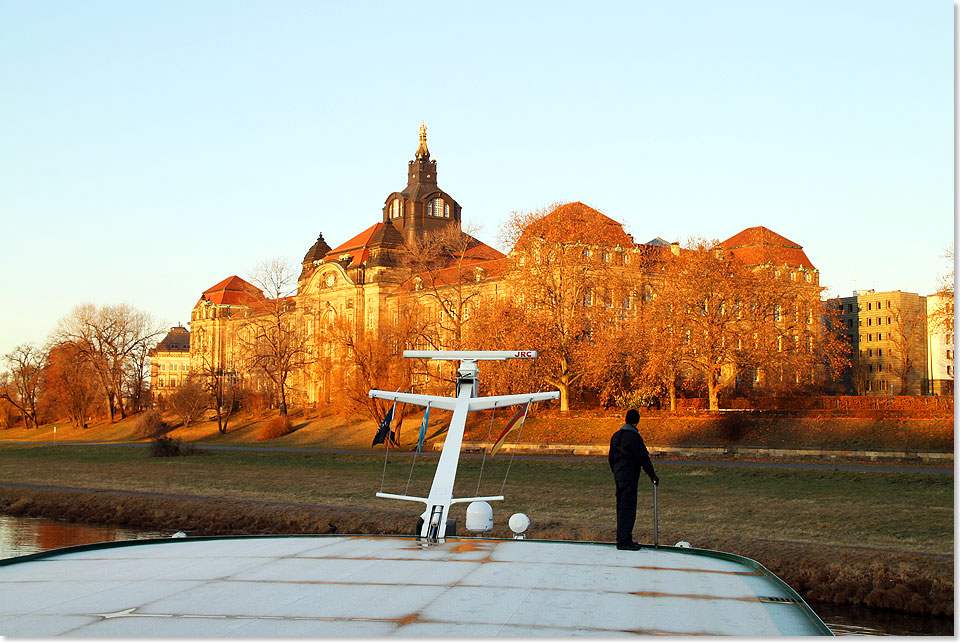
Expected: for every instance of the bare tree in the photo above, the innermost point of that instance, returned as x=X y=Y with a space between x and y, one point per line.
x=221 y=383
x=941 y=318
x=445 y=269
x=272 y=339
x=23 y=380
x=136 y=377
x=111 y=337
x=906 y=334
x=859 y=377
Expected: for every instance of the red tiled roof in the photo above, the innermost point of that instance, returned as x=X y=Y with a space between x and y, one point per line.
x=232 y=291
x=357 y=247
x=478 y=255
x=466 y=272
x=484 y=252
x=761 y=246
x=576 y=221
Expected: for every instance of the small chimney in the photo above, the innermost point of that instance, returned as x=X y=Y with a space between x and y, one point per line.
x=675 y=248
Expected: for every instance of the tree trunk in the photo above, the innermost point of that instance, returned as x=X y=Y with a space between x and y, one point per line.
x=119 y=395
x=712 y=392
x=672 y=386
x=564 y=397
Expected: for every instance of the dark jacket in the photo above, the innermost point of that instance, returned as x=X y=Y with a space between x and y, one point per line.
x=628 y=455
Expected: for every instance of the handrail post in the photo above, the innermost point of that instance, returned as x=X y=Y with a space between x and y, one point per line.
x=656 y=528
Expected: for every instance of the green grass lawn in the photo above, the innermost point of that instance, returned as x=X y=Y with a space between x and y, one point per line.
x=909 y=512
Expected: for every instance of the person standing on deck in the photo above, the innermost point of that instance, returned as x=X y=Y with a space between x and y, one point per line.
x=628 y=456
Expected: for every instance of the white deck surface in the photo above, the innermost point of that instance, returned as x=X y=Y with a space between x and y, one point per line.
x=365 y=586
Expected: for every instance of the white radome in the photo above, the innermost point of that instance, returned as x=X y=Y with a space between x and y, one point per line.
x=682 y=544
x=519 y=523
x=479 y=517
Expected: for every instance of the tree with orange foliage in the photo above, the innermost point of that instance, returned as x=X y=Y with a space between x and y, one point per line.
x=8 y=412
x=721 y=319
x=70 y=383
x=368 y=360
x=500 y=324
x=567 y=291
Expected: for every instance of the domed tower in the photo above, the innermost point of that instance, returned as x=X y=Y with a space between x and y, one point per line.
x=313 y=257
x=422 y=207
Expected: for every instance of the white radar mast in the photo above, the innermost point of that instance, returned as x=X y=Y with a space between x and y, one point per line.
x=438 y=504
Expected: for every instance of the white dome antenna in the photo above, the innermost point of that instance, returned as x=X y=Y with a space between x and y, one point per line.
x=519 y=523
x=479 y=517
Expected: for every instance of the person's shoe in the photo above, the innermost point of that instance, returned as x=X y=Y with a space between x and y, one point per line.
x=629 y=546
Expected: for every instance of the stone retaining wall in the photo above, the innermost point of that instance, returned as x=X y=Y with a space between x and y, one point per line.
x=720 y=452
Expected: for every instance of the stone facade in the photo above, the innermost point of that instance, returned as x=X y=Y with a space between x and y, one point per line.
x=368 y=282
x=169 y=363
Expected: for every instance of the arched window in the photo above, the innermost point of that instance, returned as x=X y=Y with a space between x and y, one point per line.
x=435 y=208
x=396 y=209
x=446 y=210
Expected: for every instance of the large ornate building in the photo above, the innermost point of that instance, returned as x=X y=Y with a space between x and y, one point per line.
x=169 y=363
x=364 y=282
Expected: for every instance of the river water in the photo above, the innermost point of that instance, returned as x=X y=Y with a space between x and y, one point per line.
x=25 y=535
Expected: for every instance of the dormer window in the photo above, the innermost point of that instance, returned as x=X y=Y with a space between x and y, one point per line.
x=396 y=208
x=438 y=208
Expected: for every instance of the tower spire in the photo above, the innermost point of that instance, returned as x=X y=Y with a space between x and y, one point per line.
x=422 y=151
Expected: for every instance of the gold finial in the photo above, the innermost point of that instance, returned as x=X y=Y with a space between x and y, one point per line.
x=422 y=151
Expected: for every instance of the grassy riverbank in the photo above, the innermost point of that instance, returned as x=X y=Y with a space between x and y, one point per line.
x=876 y=538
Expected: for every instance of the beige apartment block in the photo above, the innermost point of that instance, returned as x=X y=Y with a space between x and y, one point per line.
x=940 y=347
x=887 y=332
x=169 y=363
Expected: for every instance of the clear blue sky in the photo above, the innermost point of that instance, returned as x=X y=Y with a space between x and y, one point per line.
x=150 y=149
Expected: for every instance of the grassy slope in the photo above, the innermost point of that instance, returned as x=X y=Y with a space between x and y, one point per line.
x=934 y=434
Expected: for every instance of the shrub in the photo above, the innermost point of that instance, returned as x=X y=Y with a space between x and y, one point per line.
x=150 y=424
x=641 y=398
x=165 y=447
x=276 y=427
x=169 y=447
x=254 y=403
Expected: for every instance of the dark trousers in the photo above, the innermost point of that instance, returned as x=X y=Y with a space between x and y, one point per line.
x=626 y=510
